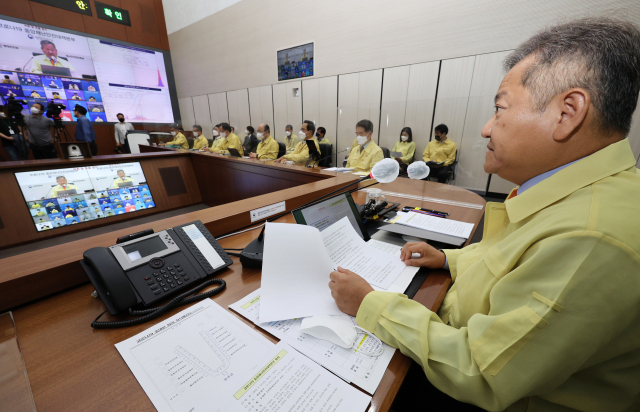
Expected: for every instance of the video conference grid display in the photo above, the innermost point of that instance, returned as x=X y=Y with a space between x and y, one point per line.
x=63 y=197
x=104 y=77
x=295 y=62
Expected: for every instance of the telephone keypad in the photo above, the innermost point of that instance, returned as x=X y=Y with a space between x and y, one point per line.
x=196 y=252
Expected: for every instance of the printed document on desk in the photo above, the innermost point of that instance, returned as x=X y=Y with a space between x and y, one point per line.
x=435 y=224
x=362 y=370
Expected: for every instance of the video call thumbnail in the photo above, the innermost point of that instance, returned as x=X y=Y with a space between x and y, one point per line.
x=62 y=197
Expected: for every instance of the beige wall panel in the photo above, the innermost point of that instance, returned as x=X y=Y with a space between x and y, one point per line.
x=487 y=75
x=634 y=133
x=369 y=96
x=394 y=103
x=421 y=93
x=394 y=35
x=218 y=108
x=294 y=105
x=319 y=104
x=255 y=107
x=347 y=110
x=266 y=102
x=238 y=104
x=186 y=111
x=202 y=115
x=499 y=185
x=287 y=109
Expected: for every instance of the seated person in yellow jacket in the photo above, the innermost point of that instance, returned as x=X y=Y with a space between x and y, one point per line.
x=440 y=150
x=216 y=139
x=301 y=153
x=199 y=141
x=62 y=185
x=543 y=314
x=268 y=147
x=178 y=138
x=227 y=140
x=407 y=147
x=320 y=136
x=366 y=153
x=290 y=140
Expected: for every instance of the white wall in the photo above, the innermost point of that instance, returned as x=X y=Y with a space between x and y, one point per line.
x=182 y=13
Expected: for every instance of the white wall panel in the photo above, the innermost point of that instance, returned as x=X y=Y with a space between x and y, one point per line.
x=202 y=114
x=186 y=112
x=487 y=75
x=369 y=96
x=394 y=103
x=287 y=109
x=347 y=109
x=421 y=94
x=218 y=109
x=238 y=105
x=294 y=105
x=261 y=106
x=319 y=104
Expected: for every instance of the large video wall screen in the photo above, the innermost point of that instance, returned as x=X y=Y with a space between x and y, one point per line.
x=63 y=197
x=105 y=77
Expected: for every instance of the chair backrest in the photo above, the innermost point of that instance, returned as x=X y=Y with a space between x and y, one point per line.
x=385 y=152
x=326 y=150
x=190 y=140
x=282 y=149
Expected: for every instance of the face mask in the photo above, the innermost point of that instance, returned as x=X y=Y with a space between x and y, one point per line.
x=318 y=135
x=288 y=133
x=215 y=133
x=121 y=120
x=302 y=134
x=361 y=139
x=173 y=133
x=404 y=138
x=438 y=138
x=195 y=134
x=35 y=110
x=246 y=132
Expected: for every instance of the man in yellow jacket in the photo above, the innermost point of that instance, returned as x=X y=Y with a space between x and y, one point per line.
x=178 y=138
x=199 y=141
x=290 y=140
x=268 y=147
x=543 y=314
x=300 y=154
x=62 y=186
x=367 y=153
x=227 y=140
x=120 y=180
x=441 y=152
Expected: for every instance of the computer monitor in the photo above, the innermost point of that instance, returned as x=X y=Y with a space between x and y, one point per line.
x=324 y=214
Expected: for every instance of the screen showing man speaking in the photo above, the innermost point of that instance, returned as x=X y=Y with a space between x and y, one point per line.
x=105 y=77
x=63 y=197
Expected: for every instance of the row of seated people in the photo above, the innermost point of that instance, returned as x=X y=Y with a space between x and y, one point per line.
x=364 y=153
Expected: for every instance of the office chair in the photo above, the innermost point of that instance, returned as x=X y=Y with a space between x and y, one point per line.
x=326 y=150
x=282 y=149
x=452 y=172
x=190 y=140
x=385 y=152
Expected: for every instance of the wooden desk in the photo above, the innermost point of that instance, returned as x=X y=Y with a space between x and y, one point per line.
x=70 y=364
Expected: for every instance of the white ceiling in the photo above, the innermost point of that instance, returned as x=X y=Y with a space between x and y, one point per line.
x=182 y=13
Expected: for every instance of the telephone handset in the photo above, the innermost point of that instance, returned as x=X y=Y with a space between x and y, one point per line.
x=153 y=267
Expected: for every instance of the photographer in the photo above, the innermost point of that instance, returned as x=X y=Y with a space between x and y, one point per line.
x=38 y=130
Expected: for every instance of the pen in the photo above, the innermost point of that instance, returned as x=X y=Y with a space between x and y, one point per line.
x=409 y=208
x=427 y=213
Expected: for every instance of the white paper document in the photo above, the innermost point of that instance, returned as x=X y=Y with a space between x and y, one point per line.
x=339 y=169
x=205 y=359
x=436 y=224
x=296 y=285
x=349 y=251
x=362 y=370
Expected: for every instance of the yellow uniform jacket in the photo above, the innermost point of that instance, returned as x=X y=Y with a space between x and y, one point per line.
x=200 y=142
x=179 y=140
x=231 y=141
x=268 y=148
x=119 y=180
x=408 y=149
x=291 y=142
x=440 y=152
x=364 y=162
x=301 y=153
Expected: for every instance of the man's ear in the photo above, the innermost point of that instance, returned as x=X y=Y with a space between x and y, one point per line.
x=572 y=107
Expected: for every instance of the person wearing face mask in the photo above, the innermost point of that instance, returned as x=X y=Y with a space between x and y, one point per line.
x=407 y=147
x=290 y=141
x=121 y=129
x=37 y=128
x=441 y=152
x=301 y=153
x=84 y=129
x=228 y=140
x=268 y=147
x=216 y=140
x=366 y=153
x=199 y=141
x=178 y=138
x=320 y=136
x=250 y=141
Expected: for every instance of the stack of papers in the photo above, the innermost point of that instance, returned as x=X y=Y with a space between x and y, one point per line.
x=434 y=224
x=339 y=169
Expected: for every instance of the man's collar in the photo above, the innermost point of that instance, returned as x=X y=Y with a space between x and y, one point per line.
x=606 y=162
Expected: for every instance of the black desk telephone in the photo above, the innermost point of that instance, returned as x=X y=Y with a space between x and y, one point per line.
x=152 y=267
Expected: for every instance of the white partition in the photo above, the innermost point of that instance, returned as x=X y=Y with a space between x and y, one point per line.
x=238 y=105
x=218 y=109
x=369 y=97
x=487 y=75
x=394 y=104
x=261 y=106
x=202 y=114
x=287 y=108
x=320 y=104
x=421 y=94
x=186 y=112
x=347 y=109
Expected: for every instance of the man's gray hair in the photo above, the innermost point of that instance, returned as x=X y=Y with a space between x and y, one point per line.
x=600 y=55
x=197 y=126
x=288 y=127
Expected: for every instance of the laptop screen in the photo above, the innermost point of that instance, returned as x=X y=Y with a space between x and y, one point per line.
x=327 y=212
